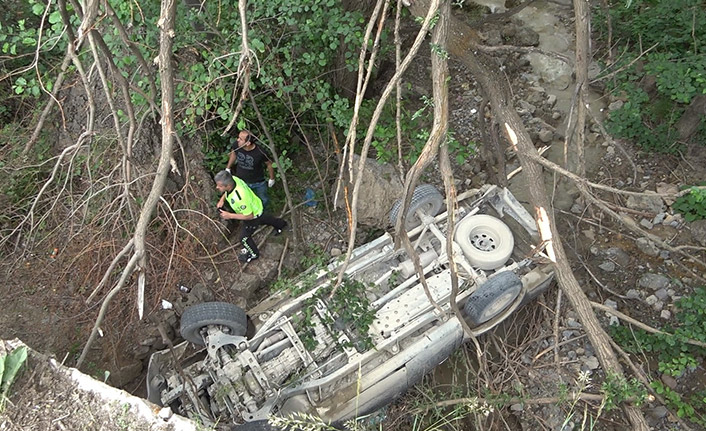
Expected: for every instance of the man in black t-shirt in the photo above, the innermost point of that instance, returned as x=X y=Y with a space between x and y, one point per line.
x=250 y=163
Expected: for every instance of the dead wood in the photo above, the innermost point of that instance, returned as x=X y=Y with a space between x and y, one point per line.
x=138 y=259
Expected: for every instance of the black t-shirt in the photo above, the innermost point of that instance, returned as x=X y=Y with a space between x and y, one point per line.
x=250 y=165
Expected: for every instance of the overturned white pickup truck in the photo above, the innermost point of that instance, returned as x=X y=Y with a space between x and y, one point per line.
x=344 y=355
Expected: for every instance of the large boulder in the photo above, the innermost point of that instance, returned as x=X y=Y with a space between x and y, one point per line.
x=380 y=188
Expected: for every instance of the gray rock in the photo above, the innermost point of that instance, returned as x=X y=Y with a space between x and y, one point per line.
x=666 y=188
x=651 y=300
x=594 y=69
x=658 y=412
x=611 y=304
x=381 y=186
x=526 y=37
x=526 y=107
x=492 y=36
x=664 y=254
x=658 y=306
x=618 y=256
x=607 y=266
x=662 y=294
x=665 y=314
x=633 y=294
x=698 y=231
x=668 y=380
x=551 y=100
x=653 y=204
x=517 y=407
x=653 y=281
x=646 y=246
x=577 y=208
x=646 y=223
x=592 y=363
x=246 y=283
x=571 y=355
x=613 y=321
x=335 y=252
x=141 y=352
x=573 y=323
x=546 y=135
x=567 y=334
x=614 y=106
x=672 y=219
x=659 y=218
x=656 y=415
x=556 y=115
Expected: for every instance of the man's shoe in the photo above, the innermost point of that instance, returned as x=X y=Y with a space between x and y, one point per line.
x=246 y=257
x=279 y=231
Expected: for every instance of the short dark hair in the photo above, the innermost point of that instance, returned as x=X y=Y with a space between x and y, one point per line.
x=224 y=177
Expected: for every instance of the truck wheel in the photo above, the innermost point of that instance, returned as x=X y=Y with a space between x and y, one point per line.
x=486 y=241
x=202 y=315
x=425 y=198
x=492 y=297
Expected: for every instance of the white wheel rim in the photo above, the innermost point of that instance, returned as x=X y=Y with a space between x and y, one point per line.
x=484 y=240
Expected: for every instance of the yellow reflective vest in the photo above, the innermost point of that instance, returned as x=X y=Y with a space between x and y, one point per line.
x=243 y=200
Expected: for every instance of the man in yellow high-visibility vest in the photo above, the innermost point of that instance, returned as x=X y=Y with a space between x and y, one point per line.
x=239 y=202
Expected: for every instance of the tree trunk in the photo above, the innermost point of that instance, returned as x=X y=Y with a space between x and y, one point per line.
x=461 y=43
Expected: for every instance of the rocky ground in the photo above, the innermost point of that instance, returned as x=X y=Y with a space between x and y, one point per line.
x=635 y=274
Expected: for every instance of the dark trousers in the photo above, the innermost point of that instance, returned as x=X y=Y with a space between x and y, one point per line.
x=248 y=227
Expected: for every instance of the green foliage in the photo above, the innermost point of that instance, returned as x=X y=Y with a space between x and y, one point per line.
x=618 y=389
x=675 y=354
x=214 y=158
x=684 y=408
x=10 y=365
x=293 y=43
x=316 y=257
x=677 y=63
x=692 y=205
x=349 y=306
x=301 y=421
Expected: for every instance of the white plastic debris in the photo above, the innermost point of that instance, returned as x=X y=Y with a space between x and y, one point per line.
x=166 y=305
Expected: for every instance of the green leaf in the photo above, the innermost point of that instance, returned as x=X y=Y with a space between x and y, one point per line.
x=55 y=17
x=257 y=44
x=12 y=363
x=37 y=9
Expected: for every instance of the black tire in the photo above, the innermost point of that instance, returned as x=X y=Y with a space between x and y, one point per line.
x=492 y=297
x=425 y=198
x=199 y=316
